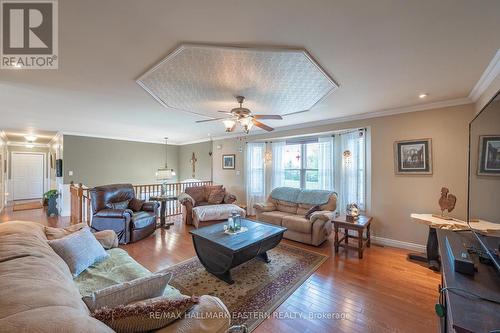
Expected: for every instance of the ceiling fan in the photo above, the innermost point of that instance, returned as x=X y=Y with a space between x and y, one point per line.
x=245 y=118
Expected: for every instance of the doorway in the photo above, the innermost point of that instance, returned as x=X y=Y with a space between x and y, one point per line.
x=27 y=175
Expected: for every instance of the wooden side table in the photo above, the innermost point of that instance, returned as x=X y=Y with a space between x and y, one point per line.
x=359 y=225
x=163 y=199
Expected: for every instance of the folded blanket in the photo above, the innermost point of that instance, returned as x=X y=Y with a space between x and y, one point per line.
x=295 y=195
x=285 y=194
x=314 y=197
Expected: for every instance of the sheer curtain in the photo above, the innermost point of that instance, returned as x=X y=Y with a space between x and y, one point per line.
x=278 y=167
x=255 y=175
x=349 y=166
x=325 y=163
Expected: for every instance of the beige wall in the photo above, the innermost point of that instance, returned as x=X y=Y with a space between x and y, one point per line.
x=484 y=190
x=96 y=161
x=233 y=180
x=393 y=197
x=203 y=170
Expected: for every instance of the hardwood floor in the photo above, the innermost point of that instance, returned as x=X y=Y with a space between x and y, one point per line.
x=383 y=292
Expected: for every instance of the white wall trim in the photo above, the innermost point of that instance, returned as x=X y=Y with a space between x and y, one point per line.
x=110 y=137
x=23 y=144
x=368 y=115
x=489 y=74
x=399 y=244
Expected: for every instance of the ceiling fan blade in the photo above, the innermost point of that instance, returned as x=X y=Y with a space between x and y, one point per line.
x=207 y=120
x=268 y=116
x=261 y=125
x=296 y=112
x=226 y=112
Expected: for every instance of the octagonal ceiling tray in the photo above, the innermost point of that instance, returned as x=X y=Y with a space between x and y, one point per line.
x=204 y=79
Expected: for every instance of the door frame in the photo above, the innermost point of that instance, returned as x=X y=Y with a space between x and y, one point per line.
x=44 y=172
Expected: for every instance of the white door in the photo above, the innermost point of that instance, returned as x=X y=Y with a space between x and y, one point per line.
x=27 y=176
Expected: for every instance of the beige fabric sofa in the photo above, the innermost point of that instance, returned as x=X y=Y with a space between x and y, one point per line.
x=37 y=292
x=291 y=215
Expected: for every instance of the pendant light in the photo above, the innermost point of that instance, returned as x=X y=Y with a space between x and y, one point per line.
x=165 y=173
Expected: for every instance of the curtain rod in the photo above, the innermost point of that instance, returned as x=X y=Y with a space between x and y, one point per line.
x=305 y=136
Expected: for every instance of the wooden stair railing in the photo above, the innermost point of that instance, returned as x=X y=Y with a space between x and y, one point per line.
x=81 y=205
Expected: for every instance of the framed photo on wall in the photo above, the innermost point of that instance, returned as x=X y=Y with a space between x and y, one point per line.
x=413 y=157
x=229 y=161
x=489 y=155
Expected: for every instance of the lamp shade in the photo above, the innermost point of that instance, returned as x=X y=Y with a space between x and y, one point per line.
x=165 y=174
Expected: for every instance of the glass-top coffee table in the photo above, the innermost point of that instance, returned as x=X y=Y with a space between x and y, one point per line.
x=219 y=252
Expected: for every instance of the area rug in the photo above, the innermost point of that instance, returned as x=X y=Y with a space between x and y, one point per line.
x=259 y=288
x=27 y=206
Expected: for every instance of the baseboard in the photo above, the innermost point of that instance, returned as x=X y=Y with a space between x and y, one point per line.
x=399 y=244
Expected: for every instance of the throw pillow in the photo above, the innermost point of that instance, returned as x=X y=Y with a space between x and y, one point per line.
x=118 y=205
x=312 y=210
x=216 y=196
x=56 y=233
x=79 y=250
x=136 y=204
x=127 y=292
x=146 y=315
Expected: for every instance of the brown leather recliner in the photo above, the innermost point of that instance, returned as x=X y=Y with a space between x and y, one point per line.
x=114 y=207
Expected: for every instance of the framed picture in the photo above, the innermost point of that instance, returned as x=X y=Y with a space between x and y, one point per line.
x=228 y=161
x=413 y=157
x=489 y=155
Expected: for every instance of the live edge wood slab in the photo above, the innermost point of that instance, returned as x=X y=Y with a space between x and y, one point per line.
x=218 y=252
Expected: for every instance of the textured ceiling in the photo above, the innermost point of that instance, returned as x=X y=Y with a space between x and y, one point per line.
x=204 y=79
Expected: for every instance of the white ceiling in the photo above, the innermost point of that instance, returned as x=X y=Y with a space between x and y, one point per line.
x=202 y=79
x=382 y=53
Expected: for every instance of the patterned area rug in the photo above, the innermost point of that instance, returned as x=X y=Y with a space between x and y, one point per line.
x=259 y=288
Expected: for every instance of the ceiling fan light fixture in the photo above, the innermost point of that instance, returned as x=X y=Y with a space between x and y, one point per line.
x=229 y=124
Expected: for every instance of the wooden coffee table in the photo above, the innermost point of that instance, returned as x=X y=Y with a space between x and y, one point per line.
x=219 y=252
x=359 y=225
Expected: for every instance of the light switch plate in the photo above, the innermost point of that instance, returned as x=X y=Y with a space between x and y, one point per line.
x=238 y=173
x=70 y=173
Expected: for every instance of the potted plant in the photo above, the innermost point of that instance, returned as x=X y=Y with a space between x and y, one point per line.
x=51 y=197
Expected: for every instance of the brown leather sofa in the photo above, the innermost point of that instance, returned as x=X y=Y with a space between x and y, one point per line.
x=313 y=229
x=196 y=196
x=130 y=225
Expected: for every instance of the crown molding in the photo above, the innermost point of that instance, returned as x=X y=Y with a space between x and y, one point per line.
x=367 y=115
x=23 y=144
x=3 y=136
x=120 y=138
x=489 y=74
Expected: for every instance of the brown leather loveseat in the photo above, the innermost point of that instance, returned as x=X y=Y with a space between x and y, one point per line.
x=115 y=207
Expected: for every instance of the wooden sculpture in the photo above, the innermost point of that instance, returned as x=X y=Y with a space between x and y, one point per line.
x=193 y=161
x=447 y=202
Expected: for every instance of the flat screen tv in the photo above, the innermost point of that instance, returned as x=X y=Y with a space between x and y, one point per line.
x=484 y=174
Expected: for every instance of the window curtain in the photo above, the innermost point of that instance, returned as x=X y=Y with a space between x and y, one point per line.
x=255 y=175
x=278 y=165
x=349 y=169
x=325 y=163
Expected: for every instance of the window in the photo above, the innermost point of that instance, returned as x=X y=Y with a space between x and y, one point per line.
x=255 y=175
x=301 y=165
x=326 y=163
